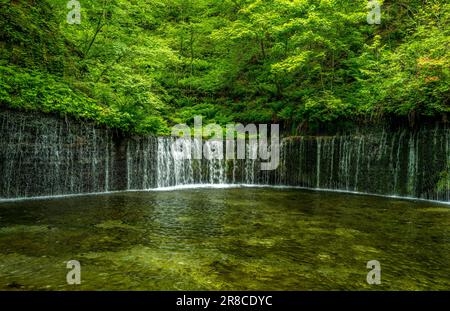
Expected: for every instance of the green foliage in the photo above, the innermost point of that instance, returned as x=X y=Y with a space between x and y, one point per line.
x=142 y=66
x=414 y=78
x=35 y=90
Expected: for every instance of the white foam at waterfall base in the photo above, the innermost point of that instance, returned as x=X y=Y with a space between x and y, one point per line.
x=281 y=187
x=197 y=186
x=223 y=186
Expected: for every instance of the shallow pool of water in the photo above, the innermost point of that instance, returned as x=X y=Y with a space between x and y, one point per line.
x=224 y=239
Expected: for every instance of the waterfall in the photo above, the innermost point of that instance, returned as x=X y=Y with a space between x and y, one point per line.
x=214 y=161
x=175 y=170
x=45 y=156
x=41 y=156
x=318 y=159
x=165 y=167
x=141 y=164
x=403 y=163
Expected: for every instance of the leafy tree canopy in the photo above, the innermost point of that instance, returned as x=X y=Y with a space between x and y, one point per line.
x=142 y=66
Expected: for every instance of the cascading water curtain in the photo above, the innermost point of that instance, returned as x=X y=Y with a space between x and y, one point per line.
x=44 y=156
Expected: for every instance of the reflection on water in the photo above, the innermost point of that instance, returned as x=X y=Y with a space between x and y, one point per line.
x=224 y=239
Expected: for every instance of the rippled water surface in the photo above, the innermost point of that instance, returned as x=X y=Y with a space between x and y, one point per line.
x=224 y=239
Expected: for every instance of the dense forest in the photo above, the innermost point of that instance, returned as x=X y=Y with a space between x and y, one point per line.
x=144 y=65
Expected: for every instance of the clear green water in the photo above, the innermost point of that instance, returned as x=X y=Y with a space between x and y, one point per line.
x=225 y=239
